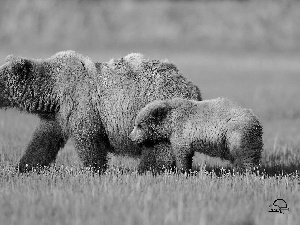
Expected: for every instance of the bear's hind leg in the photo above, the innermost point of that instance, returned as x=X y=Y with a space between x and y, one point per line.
x=245 y=151
x=42 y=150
x=92 y=152
x=91 y=142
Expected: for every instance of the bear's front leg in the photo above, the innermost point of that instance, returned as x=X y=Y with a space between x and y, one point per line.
x=182 y=152
x=184 y=162
x=157 y=158
x=148 y=160
x=91 y=142
x=183 y=157
x=42 y=150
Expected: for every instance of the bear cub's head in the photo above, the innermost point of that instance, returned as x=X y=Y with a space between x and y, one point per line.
x=152 y=124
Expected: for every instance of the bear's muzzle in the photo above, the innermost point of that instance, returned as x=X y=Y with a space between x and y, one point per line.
x=137 y=135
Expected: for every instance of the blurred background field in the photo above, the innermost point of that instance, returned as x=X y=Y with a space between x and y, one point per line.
x=184 y=25
x=245 y=50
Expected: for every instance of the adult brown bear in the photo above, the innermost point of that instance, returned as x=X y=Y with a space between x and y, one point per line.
x=94 y=104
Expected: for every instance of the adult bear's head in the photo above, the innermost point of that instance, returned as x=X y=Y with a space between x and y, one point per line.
x=25 y=85
x=152 y=124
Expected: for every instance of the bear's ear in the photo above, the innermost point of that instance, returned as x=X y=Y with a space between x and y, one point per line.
x=160 y=112
x=10 y=58
x=21 y=68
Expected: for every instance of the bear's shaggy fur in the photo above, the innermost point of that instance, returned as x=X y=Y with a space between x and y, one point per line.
x=95 y=104
x=217 y=127
x=157 y=158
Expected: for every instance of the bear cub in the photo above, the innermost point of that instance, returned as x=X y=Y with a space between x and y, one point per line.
x=217 y=127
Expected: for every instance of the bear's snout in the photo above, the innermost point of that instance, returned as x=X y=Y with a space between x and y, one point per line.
x=137 y=135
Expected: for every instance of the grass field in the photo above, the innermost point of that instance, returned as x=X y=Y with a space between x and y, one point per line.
x=65 y=194
x=245 y=50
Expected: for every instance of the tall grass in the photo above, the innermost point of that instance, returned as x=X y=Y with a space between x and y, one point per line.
x=101 y=24
x=70 y=196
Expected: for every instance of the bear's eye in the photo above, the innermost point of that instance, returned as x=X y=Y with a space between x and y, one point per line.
x=153 y=121
x=139 y=126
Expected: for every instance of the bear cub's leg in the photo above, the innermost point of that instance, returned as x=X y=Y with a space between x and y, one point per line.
x=183 y=154
x=157 y=158
x=245 y=149
x=184 y=161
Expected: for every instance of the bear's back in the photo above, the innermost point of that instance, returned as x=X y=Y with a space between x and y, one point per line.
x=213 y=118
x=128 y=84
x=206 y=124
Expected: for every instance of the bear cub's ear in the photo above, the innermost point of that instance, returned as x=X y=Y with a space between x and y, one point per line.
x=160 y=112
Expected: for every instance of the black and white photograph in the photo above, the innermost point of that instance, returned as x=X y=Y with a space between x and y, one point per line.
x=149 y=112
